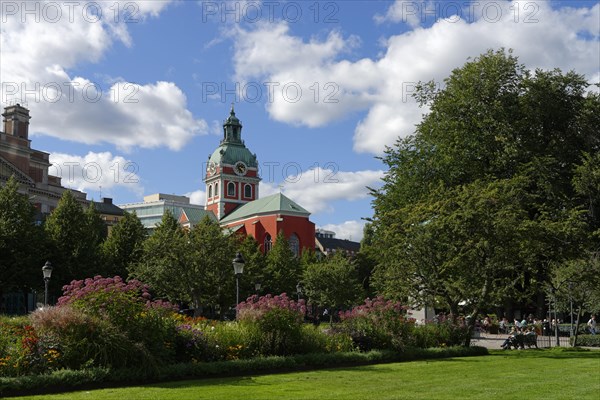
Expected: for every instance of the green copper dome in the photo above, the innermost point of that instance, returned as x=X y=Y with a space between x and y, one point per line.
x=232 y=148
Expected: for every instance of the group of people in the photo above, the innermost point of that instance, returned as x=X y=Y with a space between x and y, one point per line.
x=521 y=337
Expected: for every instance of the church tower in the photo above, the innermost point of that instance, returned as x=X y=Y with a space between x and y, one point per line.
x=232 y=171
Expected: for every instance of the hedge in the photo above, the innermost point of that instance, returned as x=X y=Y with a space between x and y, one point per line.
x=95 y=378
x=587 y=340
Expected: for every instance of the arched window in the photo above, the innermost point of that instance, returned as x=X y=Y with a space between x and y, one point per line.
x=268 y=245
x=216 y=189
x=209 y=191
x=247 y=191
x=231 y=189
x=295 y=244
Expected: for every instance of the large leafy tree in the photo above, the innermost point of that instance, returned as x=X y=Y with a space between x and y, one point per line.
x=254 y=267
x=283 y=270
x=209 y=274
x=165 y=255
x=21 y=241
x=332 y=282
x=75 y=236
x=123 y=247
x=498 y=144
x=193 y=267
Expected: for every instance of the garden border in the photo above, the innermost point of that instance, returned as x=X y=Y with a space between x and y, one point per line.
x=98 y=378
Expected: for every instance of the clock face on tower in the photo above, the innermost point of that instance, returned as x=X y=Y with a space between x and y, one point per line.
x=240 y=168
x=211 y=168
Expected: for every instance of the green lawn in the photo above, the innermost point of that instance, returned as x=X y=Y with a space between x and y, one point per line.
x=525 y=374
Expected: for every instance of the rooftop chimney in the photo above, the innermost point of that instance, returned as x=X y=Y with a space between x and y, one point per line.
x=16 y=121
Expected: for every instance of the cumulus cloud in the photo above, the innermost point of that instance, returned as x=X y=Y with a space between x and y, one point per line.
x=316 y=189
x=96 y=170
x=350 y=230
x=197 y=197
x=40 y=47
x=541 y=36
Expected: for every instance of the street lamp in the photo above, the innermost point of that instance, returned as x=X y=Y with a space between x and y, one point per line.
x=257 y=286
x=47 y=271
x=238 y=268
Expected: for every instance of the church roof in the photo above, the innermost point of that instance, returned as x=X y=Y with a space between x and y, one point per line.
x=231 y=153
x=195 y=215
x=329 y=244
x=274 y=204
x=232 y=148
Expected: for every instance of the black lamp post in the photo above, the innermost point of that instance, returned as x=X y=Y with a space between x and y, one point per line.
x=47 y=271
x=238 y=269
x=257 y=286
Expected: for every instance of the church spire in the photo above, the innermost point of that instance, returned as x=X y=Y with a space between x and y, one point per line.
x=232 y=129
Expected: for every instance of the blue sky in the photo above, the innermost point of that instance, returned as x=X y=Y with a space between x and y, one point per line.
x=129 y=97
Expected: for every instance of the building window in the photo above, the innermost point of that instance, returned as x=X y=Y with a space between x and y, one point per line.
x=231 y=189
x=209 y=191
x=216 y=189
x=248 y=191
x=268 y=243
x=295 y=244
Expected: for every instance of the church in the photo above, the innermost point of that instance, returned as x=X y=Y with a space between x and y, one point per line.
x=232 y=195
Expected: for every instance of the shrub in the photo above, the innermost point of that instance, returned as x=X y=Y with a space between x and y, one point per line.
x=444 y=332
x=129 y=307
x=254 y=308
x=232 y=341
x=278 y=320
x=18 y=348
x=378 y=324
x=587 y=340
x=70 y=338
x=316 y=340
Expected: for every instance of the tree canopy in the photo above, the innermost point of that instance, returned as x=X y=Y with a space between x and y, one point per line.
x=495 y=185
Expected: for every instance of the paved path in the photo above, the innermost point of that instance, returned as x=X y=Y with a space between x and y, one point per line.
x=492 y=341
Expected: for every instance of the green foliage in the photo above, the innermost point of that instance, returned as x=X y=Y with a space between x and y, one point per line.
x=124 y=246
x=164 y=256
x=332 y=282
x=18 y=236
x=441 y=334
x=191 y=267
x=588 y=340
x=255 y=264
x=122 y=312
x=378 y=324
x=280 y=331
x=74 y=238
x=71 y=339
x=67 y=380
x=209 y=272
x=283 y=268
x=480 y=202
x=576 y=280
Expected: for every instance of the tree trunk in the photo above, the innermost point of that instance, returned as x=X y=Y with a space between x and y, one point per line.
x=576 y=327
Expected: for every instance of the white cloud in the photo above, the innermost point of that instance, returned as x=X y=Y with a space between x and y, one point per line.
x=96 y=170
x=315 y=189
x=38 y=54
x=350 y=230
x=544 y=38
x=197 y=197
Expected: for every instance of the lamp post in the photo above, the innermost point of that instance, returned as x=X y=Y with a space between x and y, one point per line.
x=238 y=269
x=47 y=271
x=257 y=286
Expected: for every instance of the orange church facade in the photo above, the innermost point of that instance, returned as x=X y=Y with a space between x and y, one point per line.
x=232 y=194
